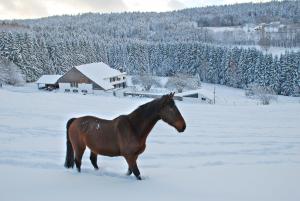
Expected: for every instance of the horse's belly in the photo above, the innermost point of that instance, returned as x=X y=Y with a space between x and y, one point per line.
x=104 y=147
x=107 y=152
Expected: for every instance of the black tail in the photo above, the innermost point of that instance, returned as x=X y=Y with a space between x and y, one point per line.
x=69 y=163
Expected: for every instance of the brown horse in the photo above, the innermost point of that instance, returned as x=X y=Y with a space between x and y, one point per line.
x=123 y=136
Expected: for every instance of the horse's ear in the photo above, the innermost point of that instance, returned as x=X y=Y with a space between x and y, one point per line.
x=171 y=95
x=165 y=99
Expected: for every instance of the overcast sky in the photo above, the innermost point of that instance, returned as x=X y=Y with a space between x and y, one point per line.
x=22 y=9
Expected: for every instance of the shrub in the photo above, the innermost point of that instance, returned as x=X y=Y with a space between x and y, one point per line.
x=264 y=94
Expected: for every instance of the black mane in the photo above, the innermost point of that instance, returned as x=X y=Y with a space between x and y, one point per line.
x=147 y=109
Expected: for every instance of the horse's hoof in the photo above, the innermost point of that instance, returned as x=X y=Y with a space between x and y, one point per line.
x=129 y=172
x=139 y=178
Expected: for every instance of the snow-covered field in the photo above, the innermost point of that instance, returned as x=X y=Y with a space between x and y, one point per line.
x=235 y=150
x=275 y=51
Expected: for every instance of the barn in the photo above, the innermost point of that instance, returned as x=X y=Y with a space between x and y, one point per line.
x=89 y=77
x=48 y=82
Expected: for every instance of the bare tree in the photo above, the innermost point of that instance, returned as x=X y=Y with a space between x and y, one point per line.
x=10 y=73
x=145 y=80
x=181 y=81
x=264 y=94
x=264 y=38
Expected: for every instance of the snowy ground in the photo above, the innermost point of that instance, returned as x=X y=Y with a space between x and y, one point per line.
x=235 y=150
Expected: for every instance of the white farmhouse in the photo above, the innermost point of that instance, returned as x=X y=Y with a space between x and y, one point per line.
x=89 y=77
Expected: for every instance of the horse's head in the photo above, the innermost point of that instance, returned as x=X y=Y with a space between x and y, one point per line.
x=170 y=114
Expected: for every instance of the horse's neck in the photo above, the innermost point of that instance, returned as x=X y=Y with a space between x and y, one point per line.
x=143 y=120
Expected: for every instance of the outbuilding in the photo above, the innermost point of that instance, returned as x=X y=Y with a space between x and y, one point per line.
x=48 y=82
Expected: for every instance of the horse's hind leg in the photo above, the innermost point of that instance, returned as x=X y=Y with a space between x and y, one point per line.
x=78 y=156
x=93 y=158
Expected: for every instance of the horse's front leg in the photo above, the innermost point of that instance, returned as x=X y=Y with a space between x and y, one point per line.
x=129 y=172
x=131 y=160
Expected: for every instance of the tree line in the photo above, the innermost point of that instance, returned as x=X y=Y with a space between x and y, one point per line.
x=157 y=43
x=235 y=67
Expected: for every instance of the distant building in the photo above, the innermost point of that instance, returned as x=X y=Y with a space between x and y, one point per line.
x=271 y=27
x=48 y=82
x=89 y=77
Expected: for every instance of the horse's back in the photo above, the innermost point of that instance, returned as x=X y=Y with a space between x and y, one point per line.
x=98 y=134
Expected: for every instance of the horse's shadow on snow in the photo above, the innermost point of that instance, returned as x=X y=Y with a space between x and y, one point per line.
x=107 y=173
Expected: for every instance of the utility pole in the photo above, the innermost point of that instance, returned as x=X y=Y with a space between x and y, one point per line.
x=214 y=94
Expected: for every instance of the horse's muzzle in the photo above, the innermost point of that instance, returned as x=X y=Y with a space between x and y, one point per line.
x=180 y=126
x=183 y=128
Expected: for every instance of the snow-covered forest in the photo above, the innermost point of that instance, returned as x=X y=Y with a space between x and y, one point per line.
x=164 y=44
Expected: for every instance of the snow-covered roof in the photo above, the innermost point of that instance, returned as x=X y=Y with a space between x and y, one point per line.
x=48 y=79
x=97 y=72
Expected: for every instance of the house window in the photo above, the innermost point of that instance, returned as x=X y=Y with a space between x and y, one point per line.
x=74 y=84
x=67 y=90
x=75 y=90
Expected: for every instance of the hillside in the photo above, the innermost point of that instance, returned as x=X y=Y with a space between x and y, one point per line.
x=184 y=41
x=184 y=25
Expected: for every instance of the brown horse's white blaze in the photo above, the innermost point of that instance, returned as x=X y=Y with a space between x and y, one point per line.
x=123 y=136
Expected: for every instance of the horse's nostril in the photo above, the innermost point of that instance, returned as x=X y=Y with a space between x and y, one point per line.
x=180 y=126
x=183 y=128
